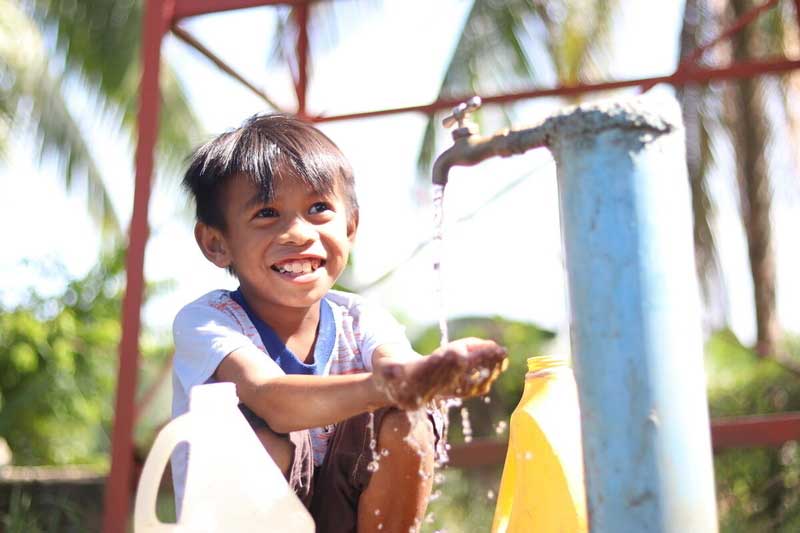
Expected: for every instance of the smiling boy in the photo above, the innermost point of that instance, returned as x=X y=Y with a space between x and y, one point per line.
x=276 y=206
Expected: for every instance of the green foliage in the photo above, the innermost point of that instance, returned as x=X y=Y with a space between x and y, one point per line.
x=49 y=48
x=465 y=504
x=757 y=489
x=58 y=360
x=53 y=513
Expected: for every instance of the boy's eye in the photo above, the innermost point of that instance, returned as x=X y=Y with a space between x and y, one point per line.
x=319 y=207
x=266 y=212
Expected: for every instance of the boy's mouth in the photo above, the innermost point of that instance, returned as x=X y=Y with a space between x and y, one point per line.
x=298 y=266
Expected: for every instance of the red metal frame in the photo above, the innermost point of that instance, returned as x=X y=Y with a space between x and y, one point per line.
x=118 y=487
x=160 y=15
x=726 y=434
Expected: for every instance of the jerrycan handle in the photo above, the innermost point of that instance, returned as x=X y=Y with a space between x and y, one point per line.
x=144 y=516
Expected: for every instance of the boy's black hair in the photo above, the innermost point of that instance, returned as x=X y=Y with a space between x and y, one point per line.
x=263 y=147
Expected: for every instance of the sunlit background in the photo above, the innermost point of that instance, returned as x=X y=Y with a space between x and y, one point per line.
x=503 y=251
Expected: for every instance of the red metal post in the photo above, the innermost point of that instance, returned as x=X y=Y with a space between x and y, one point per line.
x=118 y=488
x=190 y=8
x=301 y=83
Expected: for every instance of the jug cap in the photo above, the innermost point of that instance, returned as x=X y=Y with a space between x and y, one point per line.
x=213 y=395
x=541 y=362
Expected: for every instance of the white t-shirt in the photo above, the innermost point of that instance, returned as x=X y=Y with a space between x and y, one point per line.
x=208 y=329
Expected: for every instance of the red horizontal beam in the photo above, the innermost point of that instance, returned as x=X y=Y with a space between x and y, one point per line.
x=191 y=8
x=686 y=76
x=726 y=433
x=750 y=431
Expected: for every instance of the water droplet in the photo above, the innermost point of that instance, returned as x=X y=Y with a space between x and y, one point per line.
x=380 y=526
x=429 y=518
x=373 y=466
x=501 y=427
x=385 y=452
x=435 y=495
x=377 y=512
x=490 y=495
x=466 y=426
x=528 y=456
x=438 y=478
x=487 y=399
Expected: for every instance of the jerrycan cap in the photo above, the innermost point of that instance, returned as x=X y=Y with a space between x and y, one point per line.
x=542 y=362
x=213 y=396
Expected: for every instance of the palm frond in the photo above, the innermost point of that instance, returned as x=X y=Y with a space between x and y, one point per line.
x=494 y=50
x=34 y=102
x=100 y=44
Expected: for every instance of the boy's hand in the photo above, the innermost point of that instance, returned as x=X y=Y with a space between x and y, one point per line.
x=464 y=368
x=484 y=361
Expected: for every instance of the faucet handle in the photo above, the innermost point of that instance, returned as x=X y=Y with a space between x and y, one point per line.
x=461 y=112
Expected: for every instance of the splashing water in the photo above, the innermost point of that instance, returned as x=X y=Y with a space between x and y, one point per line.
x=373 y=465
x=466 y=426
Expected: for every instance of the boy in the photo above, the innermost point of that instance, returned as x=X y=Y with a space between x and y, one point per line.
x=314 y=368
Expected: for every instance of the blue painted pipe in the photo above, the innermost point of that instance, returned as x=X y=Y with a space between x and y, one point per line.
x=635 y=317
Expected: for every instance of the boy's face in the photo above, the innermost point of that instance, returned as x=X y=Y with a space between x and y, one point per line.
x=287 y=252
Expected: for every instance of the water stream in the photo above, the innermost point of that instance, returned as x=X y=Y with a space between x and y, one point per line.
x=438 y=254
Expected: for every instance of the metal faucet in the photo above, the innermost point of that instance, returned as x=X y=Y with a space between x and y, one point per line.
x=469 y=148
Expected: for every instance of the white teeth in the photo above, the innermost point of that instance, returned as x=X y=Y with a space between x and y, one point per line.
x=304 y=267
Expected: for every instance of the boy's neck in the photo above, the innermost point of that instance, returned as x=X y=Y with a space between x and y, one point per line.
x=295 y=326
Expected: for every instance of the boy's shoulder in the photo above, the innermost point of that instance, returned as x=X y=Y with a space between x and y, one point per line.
x=214 y=302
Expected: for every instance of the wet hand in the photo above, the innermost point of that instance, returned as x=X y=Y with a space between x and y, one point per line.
x=483 y=362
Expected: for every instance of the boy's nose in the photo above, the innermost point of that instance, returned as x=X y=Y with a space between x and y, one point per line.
x=297 y=231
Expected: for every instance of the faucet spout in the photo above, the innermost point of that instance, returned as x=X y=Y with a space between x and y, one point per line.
x=471 y=150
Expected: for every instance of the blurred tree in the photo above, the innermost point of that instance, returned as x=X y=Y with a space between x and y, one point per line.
x=740 y=112
x=47 y=48
x=58 y=358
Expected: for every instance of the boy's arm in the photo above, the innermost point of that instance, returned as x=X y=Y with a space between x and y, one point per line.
x=294 y=402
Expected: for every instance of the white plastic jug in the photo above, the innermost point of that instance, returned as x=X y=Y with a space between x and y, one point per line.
x=232 y=485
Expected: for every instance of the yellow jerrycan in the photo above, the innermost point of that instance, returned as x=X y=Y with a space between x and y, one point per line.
x=542 y=487
x=232 y=485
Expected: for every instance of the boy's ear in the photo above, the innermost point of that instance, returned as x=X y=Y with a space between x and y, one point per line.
x=212 y=243
x=352 y=226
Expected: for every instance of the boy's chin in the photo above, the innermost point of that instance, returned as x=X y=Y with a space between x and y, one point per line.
x=305 y=300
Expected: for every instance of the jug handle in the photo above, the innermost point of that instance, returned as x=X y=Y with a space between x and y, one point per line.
x=145 y=508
